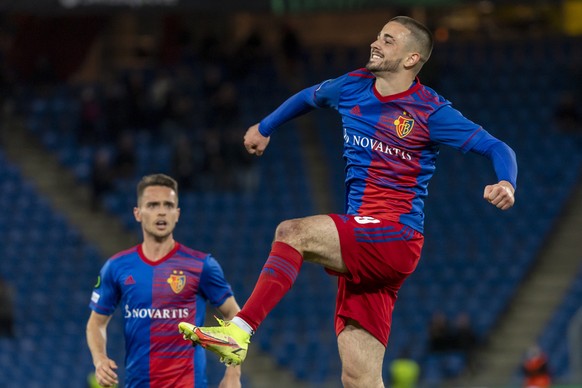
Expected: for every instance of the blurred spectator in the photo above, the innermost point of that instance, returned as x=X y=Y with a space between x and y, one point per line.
x=6 y=309
x=241 y=164
x=214 y=164
x=161 y=94
x=183 y=163
x=567 y=117
x=115 y=104
x=464 y=338
x=404 y=371
x=92 y=128
x=125 y=157
x=224 y=107
x=535 y=369
x=291 y=65
x=249 y=56
x=439 y=333
x=136 y=95
x=101 y=177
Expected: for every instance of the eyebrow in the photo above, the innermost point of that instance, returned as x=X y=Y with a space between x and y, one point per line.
x=385 y=35
x=160 y=203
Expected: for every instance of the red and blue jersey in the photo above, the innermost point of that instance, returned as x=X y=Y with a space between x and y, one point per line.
x=391 y=142
x=154 y=297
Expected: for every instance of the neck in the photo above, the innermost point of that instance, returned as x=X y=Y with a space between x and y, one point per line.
x=387 y=85
x=155 y=249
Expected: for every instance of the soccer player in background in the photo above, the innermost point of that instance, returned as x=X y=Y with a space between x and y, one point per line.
x=158 y=283
x=392 y=128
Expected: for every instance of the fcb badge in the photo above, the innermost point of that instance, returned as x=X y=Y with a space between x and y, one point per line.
x=403 y=126
x=177 y=281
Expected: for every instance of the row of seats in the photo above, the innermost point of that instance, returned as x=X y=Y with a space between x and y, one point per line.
x=474 y=258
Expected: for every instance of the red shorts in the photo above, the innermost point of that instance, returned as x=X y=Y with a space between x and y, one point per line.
x=379 y=255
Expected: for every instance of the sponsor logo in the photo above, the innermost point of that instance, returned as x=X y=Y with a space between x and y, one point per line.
x=98 y=282
x=129 y=280
x=356 y=111
x=376 y=145
x=156 y=313
x=177 y=281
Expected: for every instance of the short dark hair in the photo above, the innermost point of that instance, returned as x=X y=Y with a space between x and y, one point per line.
x=421 y=35
x=156 y=180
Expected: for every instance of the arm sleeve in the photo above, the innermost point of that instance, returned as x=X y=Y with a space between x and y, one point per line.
x=323 y=95
x=105 y=295
x=295 y=106
x=213 y=285
x=448 y=126
x=501 y=155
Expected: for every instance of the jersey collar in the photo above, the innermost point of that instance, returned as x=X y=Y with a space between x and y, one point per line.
x=415 y=86
x=157 y=262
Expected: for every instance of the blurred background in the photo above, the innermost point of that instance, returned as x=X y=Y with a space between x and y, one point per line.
x=94 y=94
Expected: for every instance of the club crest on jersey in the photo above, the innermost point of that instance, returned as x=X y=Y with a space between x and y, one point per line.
x=177 y=281
x=403 y=126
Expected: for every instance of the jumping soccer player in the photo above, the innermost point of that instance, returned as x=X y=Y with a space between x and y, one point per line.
x=158 y=284
x=392 y=128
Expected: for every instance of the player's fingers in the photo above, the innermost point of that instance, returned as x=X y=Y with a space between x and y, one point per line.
x=105 y=380
x=496 y=196
x=107 y=374
x=503 y=200
x=251 y=149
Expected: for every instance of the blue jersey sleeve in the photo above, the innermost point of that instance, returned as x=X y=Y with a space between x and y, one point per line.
x=105 y=296
x=448 y=126
x=213 y=285
x=323 y=95
x=502 y=156
x=295 y=106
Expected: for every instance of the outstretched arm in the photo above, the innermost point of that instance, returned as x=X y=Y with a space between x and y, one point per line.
x=500 y=194
x=257 y=136
x=97 y=342
x=450 y=127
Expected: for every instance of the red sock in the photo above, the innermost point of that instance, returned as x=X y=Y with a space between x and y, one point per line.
x=276 y=278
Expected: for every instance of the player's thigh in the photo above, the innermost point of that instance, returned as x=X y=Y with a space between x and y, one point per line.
x=316 y=237
x=362 y=356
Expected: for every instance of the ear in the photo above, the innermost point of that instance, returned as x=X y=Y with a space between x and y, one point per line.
x=411 y=60
x=178 y=218
x=137 y=214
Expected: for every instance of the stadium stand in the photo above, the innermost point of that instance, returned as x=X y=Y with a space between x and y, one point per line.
x=470 y=263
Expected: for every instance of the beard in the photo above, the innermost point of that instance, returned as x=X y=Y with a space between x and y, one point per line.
x=388 y=66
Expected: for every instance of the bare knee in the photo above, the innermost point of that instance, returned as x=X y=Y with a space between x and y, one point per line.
x=362 y=356
x=362 y=378
x=290 y=232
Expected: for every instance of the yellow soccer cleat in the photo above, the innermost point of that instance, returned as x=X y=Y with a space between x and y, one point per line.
x=228 y=340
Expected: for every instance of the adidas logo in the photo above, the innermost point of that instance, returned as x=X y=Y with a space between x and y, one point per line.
x=129 y=280
x=356 y=111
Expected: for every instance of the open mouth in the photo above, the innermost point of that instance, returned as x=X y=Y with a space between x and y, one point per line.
x=375 y=57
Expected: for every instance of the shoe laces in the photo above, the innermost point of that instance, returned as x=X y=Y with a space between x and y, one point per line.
x=222 y=322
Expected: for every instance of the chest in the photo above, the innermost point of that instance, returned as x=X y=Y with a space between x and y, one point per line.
x=158 y=285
